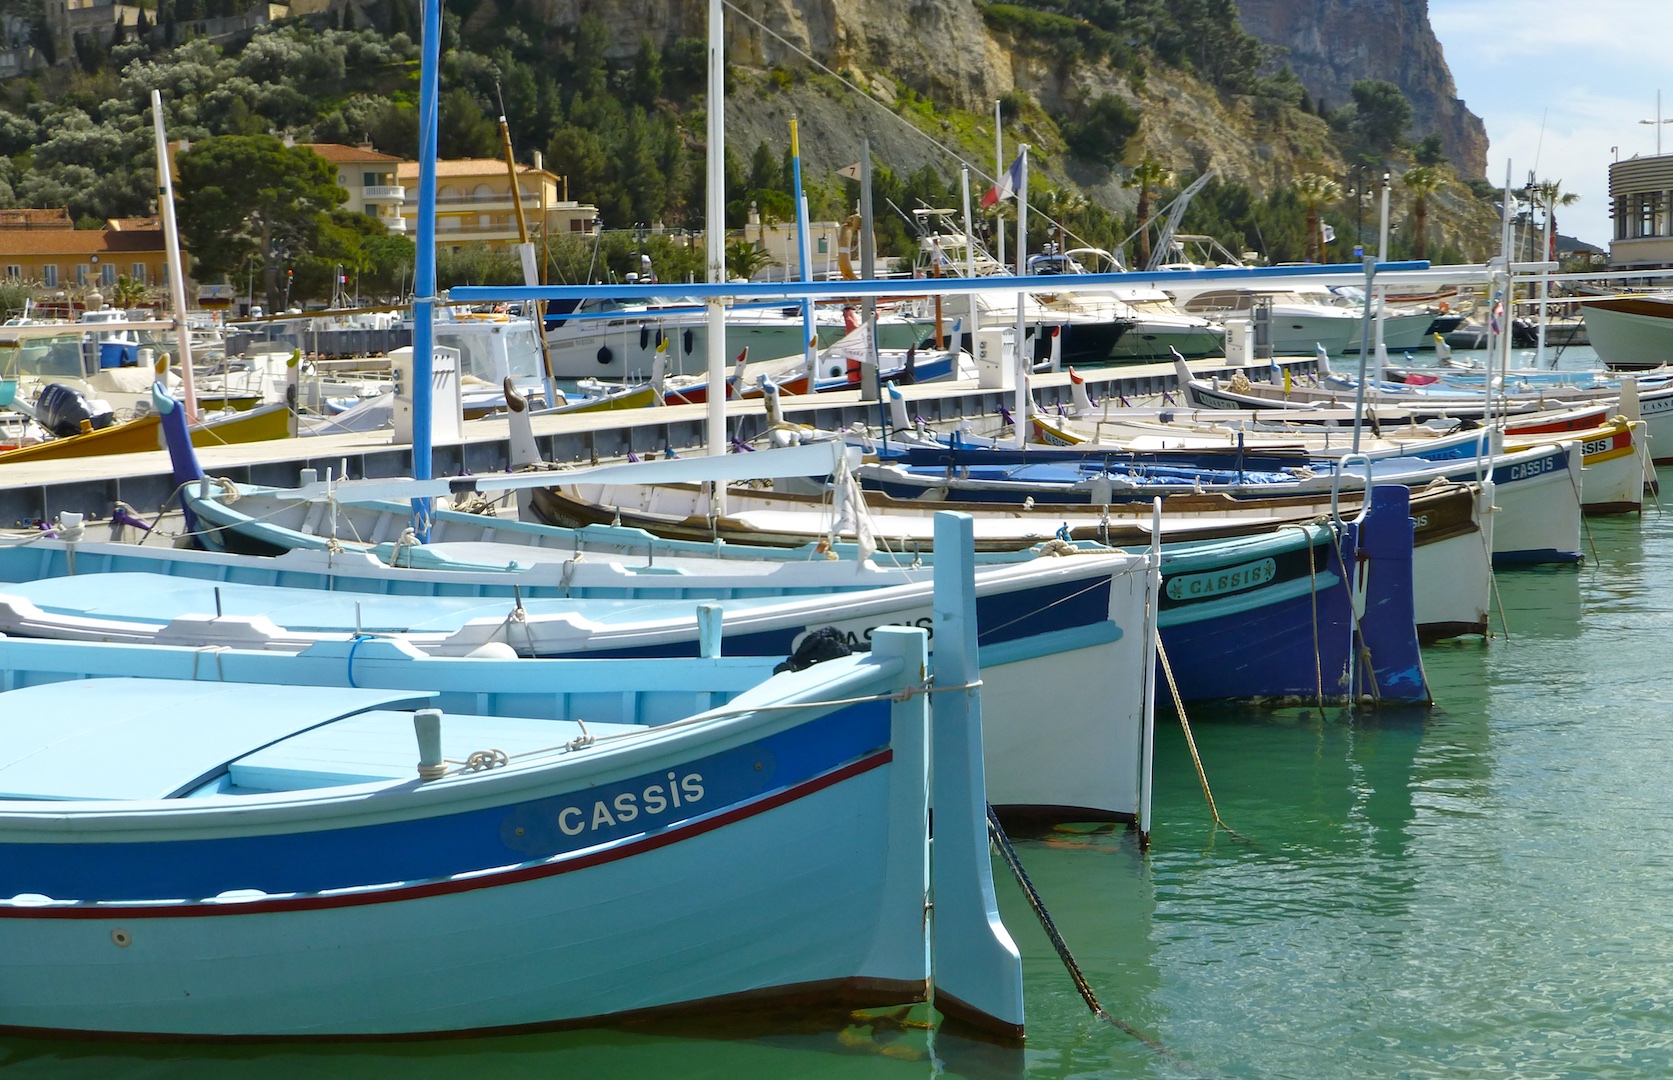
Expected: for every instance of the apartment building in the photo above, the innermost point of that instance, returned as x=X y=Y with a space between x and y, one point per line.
x=474 y=203
x=44 y=248
x=371 y=179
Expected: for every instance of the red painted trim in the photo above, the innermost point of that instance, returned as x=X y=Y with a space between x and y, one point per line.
x=201 y=909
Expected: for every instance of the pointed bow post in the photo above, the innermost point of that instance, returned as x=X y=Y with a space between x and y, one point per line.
x=977 y=969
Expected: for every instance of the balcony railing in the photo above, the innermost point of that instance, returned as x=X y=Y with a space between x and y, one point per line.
x=496 y=201
x=384 y=193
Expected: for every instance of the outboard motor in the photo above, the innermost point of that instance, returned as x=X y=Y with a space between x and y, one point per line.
x=61 y=411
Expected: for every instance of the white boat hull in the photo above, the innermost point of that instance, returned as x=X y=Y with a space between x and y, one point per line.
x=1631 y=332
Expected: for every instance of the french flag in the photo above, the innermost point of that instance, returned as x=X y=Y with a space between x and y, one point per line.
x=1007 y=186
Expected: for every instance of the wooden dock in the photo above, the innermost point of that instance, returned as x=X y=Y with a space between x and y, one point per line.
x=39 y=491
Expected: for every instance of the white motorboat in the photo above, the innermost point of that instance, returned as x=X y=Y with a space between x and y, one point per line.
x=1159 y=328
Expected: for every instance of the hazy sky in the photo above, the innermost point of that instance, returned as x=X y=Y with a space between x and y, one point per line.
x=1560 y=82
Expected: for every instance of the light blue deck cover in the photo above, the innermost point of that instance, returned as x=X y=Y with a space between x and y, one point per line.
x=153 y=738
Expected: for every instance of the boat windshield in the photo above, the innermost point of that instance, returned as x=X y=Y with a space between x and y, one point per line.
x=46 y=358
x=491 y=351
x=522 y=351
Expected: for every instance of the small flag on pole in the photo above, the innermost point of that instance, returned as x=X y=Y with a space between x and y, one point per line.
x=852 y=172
x=1007 y=186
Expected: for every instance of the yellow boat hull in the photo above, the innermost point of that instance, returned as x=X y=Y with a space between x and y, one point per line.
x=144 y=433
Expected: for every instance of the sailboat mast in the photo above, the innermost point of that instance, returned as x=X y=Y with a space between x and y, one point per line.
x=1023 y=361
x=525 y=253
x=969 y=258
x=998 y=173
x=1375 y=296
x=714 y=232
x=176 y=273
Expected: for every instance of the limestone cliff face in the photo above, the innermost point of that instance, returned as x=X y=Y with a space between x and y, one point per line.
x=938 y=47
x=1332 y=44
x=944 y=51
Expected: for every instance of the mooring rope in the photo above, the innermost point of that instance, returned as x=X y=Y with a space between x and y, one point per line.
x=1356 y=634
x=1009 y=854
x=1313 y=595
x=161 y=510
x=1191 y=742
x=1585 y=526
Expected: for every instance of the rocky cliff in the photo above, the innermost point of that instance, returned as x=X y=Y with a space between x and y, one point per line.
x=940 y=65
x=940 y=47
x=1331 y=44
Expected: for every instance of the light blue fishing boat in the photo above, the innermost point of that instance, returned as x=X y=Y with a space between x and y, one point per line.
x=1076 y=625
x=185 y=854
x=1076 y=628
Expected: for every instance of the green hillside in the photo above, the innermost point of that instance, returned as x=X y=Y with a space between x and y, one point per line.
x=625 y=124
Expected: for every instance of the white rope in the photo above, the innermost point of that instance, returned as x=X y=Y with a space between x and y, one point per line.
x=402 y=555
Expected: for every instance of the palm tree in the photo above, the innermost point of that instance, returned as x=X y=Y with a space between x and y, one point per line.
x=1422 y=181
x=1551 y=193
x=1149 y=177
x=128 y=293
x=1058 y=205
x=1316 y=191
x=744 y=258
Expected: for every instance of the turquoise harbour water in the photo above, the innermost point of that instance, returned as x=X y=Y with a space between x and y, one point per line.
x=1478 y=890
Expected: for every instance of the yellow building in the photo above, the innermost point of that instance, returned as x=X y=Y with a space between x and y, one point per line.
x=474 y=206
x=44 y=249
x=371 y=180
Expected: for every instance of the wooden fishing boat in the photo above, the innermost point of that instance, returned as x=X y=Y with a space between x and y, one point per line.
x=257 y=857
x=143 y=433
x=1651 y=403
x=1615 y=460
x=1452 y=542
x=1075 y=623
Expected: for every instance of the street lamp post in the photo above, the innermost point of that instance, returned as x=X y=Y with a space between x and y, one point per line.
x=1657 y=122
x=1359 y=208
x=639 y=232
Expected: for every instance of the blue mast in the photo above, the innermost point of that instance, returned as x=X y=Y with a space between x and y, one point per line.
x=424 y=266
x=802 y=254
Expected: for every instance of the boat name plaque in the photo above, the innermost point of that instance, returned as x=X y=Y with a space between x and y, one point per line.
x=1238 y=578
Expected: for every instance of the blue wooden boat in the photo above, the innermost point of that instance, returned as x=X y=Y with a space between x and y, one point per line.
x=1223 y=617
x=187 y=855
x=1301 y=603
x=1330 y=618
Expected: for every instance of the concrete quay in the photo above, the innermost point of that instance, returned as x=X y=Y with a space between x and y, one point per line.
x=92 y=486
